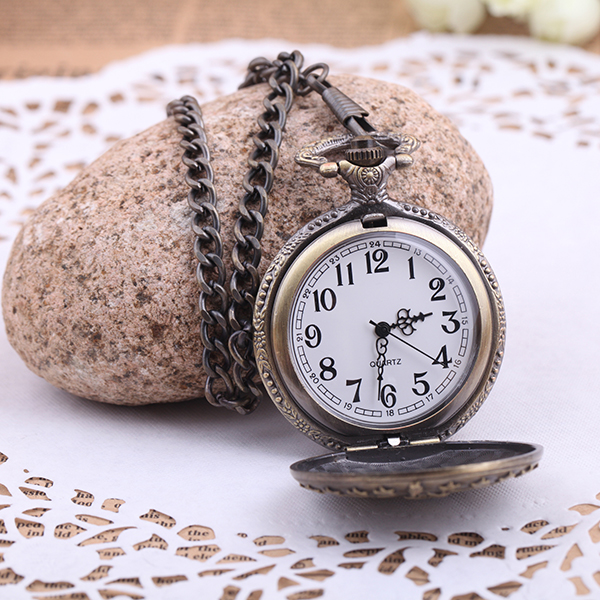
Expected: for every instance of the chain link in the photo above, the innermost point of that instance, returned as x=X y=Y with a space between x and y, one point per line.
x=232 y=378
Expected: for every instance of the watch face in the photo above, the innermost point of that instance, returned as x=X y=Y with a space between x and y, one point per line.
x=382 y=329
x=386 y=328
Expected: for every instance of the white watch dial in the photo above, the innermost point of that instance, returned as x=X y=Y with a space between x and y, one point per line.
x=383 y=329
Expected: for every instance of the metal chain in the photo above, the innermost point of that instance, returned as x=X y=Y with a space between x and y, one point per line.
x=208 y=248
x=226 y=330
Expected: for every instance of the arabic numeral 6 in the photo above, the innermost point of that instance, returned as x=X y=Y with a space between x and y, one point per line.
x=388 y=395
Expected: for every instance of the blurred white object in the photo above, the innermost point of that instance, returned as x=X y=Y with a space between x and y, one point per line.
x=458 y=16
x=518 y=9
x=568 y=21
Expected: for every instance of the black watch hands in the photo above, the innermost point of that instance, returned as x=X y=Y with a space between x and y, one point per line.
x=405 y=323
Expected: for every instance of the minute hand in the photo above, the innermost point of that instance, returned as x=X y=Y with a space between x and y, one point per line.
x=413 y=347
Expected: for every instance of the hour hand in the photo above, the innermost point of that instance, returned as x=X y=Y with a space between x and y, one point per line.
x=405 y=322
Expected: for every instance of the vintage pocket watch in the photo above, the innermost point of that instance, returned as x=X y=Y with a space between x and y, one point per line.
x=379 y=331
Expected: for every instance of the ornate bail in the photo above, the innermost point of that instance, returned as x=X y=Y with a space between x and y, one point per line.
x=368 y=161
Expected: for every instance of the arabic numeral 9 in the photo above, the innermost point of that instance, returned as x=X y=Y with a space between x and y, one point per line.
x=313 y=336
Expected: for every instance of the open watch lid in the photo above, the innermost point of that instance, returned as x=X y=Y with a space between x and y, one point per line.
x=416 y=471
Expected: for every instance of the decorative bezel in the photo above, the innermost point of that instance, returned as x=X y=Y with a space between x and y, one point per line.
x=277 y=291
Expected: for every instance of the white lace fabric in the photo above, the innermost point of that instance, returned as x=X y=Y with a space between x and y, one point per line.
x=185 y=500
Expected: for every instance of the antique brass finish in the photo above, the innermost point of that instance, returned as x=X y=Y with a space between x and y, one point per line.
x=274 y=304
x=347 y=475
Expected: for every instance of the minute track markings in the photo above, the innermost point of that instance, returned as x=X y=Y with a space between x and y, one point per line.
x=345 y=362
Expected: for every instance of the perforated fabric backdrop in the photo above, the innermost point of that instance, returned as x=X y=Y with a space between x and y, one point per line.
x=186 y=500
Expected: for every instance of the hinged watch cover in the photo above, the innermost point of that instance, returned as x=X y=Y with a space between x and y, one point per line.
x=379 y=331
x=417 y=471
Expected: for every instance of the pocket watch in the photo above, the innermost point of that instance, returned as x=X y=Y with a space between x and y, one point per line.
x=379 y=331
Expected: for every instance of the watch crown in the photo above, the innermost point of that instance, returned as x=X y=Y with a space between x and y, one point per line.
x=365 y=152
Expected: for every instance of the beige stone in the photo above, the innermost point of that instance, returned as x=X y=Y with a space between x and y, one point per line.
x=99 y=296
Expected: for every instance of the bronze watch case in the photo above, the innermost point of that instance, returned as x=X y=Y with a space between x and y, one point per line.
x=415 y=460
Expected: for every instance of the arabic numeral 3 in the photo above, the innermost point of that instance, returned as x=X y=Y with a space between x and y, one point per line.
x=451 y=321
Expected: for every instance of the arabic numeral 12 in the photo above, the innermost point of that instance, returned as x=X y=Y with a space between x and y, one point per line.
x=378 y=258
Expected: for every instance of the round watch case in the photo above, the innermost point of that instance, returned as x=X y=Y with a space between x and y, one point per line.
x=409 y=458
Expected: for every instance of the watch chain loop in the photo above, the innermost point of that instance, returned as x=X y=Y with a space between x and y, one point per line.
x=208 y=246
x=232 y=378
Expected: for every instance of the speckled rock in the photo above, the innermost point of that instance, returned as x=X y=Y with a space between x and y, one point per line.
x=99 y=296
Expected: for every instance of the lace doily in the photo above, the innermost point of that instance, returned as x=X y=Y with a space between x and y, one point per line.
x=187 y=501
